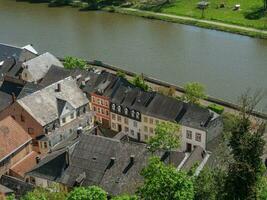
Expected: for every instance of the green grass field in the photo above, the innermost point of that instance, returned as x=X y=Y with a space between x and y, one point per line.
x=250 y=13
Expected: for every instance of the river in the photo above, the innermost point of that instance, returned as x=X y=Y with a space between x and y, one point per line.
x=227 y=64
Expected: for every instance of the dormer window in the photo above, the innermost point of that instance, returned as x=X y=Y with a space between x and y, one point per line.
x=126 y=111
x=119 y=109
x=137 y=115
x=113 y=107
x=133 y=113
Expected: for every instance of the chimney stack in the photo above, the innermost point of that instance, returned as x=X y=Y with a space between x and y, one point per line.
x=132 y=159
x=59 y=87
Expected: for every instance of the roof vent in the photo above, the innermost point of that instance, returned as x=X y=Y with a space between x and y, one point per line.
x=131 y=163
x=80 y=179
x=111 y=163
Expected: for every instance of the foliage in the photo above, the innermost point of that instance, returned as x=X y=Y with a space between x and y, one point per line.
x=216 y=108
x=139 y=81
x=194 y=92
x=167 y=91
x=247 y=145
x=167 y=137
x=10 y=197
x=125 y=197
x=121 y=74
x=209 y=184
x=52 y=193
x=72 y=63
x=163 y=182
x=89 y=193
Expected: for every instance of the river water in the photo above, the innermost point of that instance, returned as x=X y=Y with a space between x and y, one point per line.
x=227 y=64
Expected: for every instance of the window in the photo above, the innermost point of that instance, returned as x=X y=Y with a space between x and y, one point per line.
x=126 y=129
x=102 y=102
x=72 y=115
x=63 y=120
x=188 y=134
x=135 y=123
x=93 y=99
x=30 y=130
x=113 y=107
x=151 y=120
x=22 y=118
x=132 y=132
x=126 y=121
x=98 y=101
x=151 y=130
x=157 y=121
x=98 y=110
x=106 y=103
x=113 y=116
x=126 y=111
x=198 y=137
x=107 y=112
x=145 y=119
x=94 y=108
x=45 y=145
x=119 y=109
x=145 y=129
x=146 y=137
x=102 y=111
x=84 y=109
x=114 y=126
x=119 y=118
x=133 y=113
x=78 y=112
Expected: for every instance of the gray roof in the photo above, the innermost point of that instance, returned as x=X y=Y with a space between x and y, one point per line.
x=91 y=161
x=5 y=100
x=39 y=66
x=43 y=104
x=19 y=53
x=11 y=67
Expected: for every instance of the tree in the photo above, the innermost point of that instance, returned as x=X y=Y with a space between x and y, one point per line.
x=209 y=184
x=139 y=81
x=194 y=92
x=89 y=193
x=167 y=137
x=246 y=144
x=121 y=74
x=170 y=91
x=165 y=182
x=125 y=197
x=72 y=63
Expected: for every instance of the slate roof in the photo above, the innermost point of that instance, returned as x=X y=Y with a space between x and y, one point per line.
x=39 y=66
x=5 y=100
x=91 y=159
x=11 y=87
x=12 y=137
x=19 y=53
x=42 y=104
x=10 y=67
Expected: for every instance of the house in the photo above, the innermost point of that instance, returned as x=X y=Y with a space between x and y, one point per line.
x=19 y=53
x=35 y=69
x=51 y=114
x=16 y=154
x=112 y=164
x=126 y=110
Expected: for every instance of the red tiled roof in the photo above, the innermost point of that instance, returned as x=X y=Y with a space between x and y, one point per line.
x=12 y=136
x=25 y=165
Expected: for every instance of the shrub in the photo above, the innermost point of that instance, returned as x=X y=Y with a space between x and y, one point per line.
x=216 y=108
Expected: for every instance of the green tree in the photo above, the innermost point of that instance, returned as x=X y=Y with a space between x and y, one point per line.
x=209 y=184
x=139 y=81
x=163 y=182
x=194 y=92
x=87 y=193
x=73 y=63
x=121 y=74
x=125 y=197
x=51 y=193
x=167 y=137
x=247 y=145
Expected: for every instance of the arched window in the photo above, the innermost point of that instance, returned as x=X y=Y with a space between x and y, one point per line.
x=119 y=109
x=126 y=111
x=137 y=115
x=113 y=107
x=133 y=113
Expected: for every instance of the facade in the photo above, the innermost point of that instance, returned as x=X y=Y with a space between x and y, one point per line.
x=52 y=114
x=16 y=155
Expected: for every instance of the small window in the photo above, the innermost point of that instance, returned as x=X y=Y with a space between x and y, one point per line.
x=107 y=112
x=84 y=109
x=45 y=145
x=198 y=137
x=102 y=102
x=135 y=123
x=102 y=111
x=151 y=120
x=157 y=121
x=72 y=115
x=132 y=132
x=119 y=118
x=93 y=99
x=98 y=110
x=126 y=111
x=145 y=119
x=119 y=109
x=113 y=116
x=126 y=129
x=146 y=137
x=145 y=128
x=188 y=134
x=114 y=126
x=113 y=107
x=98 y=101
x=94 y=108
x=151 y=130
x=63 y=120
x=126 y=121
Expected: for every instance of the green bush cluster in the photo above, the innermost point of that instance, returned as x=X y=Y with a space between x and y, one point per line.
x=216 y=108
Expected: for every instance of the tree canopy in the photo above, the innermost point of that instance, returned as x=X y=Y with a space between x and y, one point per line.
x=139 y=81
x=167 y=137
x=194 y=92
x=87 y=193
x=73 y=63
x=164 y=182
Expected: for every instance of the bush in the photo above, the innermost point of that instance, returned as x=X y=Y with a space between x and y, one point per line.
x=216 y=108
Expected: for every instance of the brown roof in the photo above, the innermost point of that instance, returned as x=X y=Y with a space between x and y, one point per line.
x=12 y=136
x=25 y=165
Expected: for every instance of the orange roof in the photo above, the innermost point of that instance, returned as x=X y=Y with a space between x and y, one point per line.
x=12 y=136
x=25 y=165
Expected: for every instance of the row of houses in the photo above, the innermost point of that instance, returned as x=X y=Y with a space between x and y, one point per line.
x=48 y=119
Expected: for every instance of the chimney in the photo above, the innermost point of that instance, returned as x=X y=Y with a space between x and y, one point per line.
x=132 y=159
x=13 y=97
x=37 y=159
x=59 y=87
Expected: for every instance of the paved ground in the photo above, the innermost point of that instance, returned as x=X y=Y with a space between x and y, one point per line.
x=198 y=20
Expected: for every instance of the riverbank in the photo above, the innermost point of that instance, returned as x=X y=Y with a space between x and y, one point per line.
x=191 y=21
x=156 y=83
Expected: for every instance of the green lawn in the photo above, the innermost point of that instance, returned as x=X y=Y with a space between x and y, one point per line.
x=250 y=13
